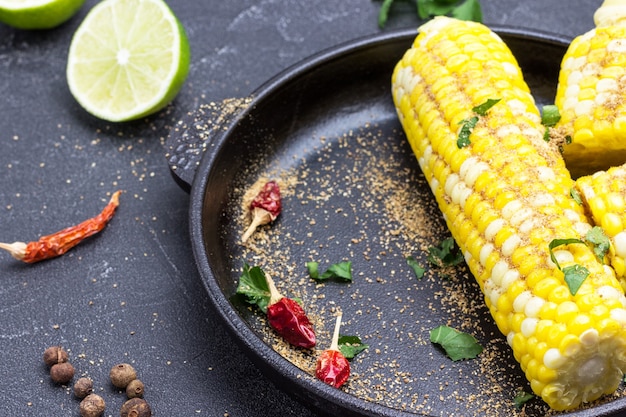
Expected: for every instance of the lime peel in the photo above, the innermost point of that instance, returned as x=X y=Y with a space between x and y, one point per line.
x=128 y=59
x=38 y=14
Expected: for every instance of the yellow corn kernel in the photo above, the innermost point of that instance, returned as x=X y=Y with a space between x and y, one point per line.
x=517 y=201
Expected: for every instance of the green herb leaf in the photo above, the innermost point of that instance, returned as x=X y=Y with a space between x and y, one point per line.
x=575 y=275
x=383 y=13
x=446 y=254
x=573 y=192
x=429 y=8
x=350 y=346
x=253 y=285
x=417 y=268
x=559 y=242
x=468 y=10
x=465 y=10
x=457 y=345
x=550 y=115
x=521 y=398
x=599 y=242
x=466 y=130
x=482 y=109
x=341 y=270
x=312 y=267
x=468 y=125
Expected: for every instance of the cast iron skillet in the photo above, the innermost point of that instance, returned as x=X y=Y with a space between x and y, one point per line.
x=310 y=118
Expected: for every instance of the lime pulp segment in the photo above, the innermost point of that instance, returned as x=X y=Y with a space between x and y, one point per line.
x=128 y=59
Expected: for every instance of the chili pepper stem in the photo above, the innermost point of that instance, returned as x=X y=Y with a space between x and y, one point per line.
x=16 y=249
x=275 y=295
x=334 y=344
x=260 y=217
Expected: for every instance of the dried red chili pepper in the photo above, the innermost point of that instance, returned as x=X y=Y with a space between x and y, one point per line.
x=58 y=243
x=265 y=208
x=288 y=318
x=332 y=367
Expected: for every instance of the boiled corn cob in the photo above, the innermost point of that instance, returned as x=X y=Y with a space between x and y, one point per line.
x=591 y=94
x=505 y=197
x=604 y=196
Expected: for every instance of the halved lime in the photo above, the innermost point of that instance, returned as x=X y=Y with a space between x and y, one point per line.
x=128 y=59
x=37 y=14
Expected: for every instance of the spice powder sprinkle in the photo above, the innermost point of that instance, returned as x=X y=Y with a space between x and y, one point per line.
x=361 y=197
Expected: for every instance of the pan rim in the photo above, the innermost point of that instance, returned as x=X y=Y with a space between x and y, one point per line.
x=265 y=358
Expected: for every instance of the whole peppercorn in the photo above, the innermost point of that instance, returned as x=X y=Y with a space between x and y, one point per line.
x=62 y=373
x=92 y=406
x=134 y=389
x=54 y=355
x=135 y=407
x=121 y=375
x=83 y=387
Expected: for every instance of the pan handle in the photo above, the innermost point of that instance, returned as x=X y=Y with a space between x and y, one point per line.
x=195 y=134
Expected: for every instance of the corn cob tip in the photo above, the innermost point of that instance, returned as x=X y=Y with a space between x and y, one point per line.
x=610 y=13
x=590 y=98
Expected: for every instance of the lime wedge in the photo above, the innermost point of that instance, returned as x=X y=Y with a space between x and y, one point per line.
x=37 y=14
x=128 y=59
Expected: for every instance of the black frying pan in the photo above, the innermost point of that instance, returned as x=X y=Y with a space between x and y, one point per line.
x=353 y=191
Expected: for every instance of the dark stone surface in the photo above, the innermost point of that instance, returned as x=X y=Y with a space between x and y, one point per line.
x=132 y=294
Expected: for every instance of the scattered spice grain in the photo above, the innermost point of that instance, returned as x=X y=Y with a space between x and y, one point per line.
x=361 y=196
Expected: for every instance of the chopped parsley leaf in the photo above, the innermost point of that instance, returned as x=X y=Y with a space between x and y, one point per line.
x=573 y=192
x=521 y=398
x=341 y=270
x=466 y=129
x=456 y=344
x=467 y=125
x=253 y=286
x=599 y=242
x=417 y=268
x=482 y=109
x=446 y=254
x=350 y=346
x=574 y=275
x=550 y=116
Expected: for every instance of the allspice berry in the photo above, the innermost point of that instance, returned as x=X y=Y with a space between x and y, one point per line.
x=83 y=387
x=62 y=373
x=134 y=389
x=121 y=375
x=54 y=355
x=92 y=406
x=135 y=407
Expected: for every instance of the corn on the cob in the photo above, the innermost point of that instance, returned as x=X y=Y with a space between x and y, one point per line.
x=505 y=197
x=591 y=94
x=604 y=196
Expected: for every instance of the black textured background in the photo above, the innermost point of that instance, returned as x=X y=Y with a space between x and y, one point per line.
x=132 y=293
